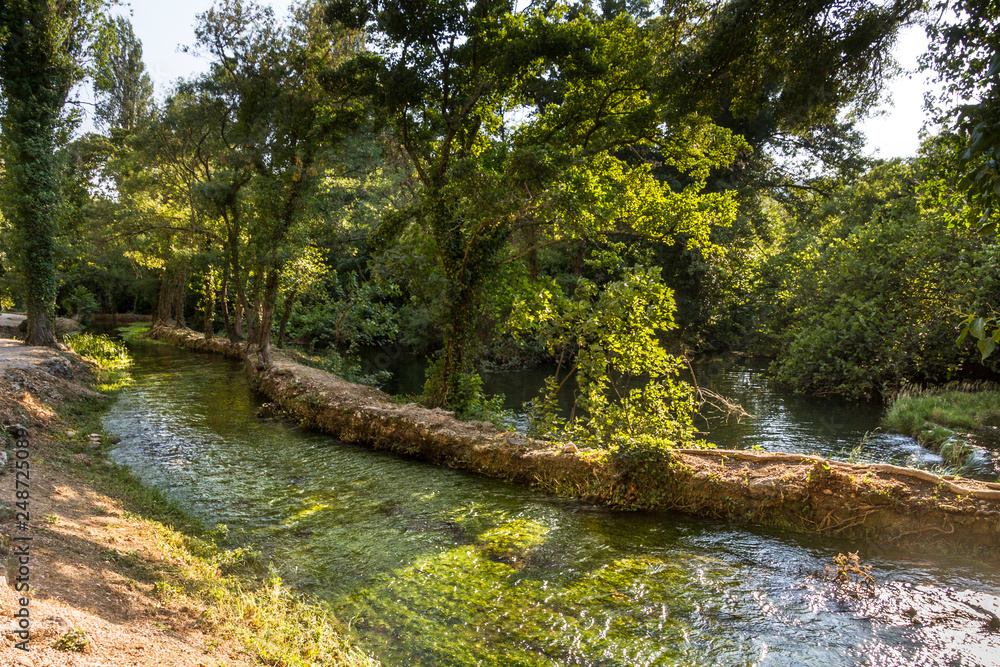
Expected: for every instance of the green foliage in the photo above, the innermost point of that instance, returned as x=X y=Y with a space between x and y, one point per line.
x=74 y=640
x=555 y=175
x=344 y=367
x=112 y=358
x=965 y=52
x=629 y=395
x=346 y=312
x=122 y=86
x=80 y=301
x=869 y=296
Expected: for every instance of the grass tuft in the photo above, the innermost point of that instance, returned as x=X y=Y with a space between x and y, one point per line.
x=937 y=416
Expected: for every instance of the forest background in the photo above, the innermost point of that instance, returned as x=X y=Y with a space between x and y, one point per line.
x=610 y=187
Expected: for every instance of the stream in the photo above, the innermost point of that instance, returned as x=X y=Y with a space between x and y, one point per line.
x=433 y=566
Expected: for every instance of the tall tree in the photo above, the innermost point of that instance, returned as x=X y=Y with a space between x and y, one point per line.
x=44 y=43
x=123 y=88
x=279 y=107
x=520 y=119
x=965 y=52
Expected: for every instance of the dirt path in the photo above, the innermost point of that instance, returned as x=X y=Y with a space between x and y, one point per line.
x=90 y=561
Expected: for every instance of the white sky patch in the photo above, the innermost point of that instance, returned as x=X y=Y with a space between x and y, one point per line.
x=896 y=132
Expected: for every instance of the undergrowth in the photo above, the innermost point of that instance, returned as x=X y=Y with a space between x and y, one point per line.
x=112 y=358
x=343 y=366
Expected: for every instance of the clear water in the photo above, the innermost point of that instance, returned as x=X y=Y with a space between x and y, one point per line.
x=407 y=553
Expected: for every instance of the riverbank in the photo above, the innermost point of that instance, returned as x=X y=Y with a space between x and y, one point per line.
x=118 y=574
x=952 y=420
x=876 y=502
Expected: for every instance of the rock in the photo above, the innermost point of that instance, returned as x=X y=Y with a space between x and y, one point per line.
x=70 y=434
x=94 y=436
x=48 y=626
x=60 y=367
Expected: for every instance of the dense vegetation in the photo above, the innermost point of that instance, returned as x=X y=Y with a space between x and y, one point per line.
x=609 y=186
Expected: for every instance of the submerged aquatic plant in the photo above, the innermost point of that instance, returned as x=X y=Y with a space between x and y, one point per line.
x=464 y=606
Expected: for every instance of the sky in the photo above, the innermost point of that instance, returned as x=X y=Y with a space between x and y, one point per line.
x=166 y=25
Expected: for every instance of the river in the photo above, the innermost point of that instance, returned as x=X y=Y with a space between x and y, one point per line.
x=432 y=566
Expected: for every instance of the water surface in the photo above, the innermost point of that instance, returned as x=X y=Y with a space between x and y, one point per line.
x=408 y=552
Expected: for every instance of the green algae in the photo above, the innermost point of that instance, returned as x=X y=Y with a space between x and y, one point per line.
x=513 y=541
x=465 y=607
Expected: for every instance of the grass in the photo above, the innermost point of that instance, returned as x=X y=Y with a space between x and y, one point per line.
x=112 y=359
x=233 y=592
x=937 y=416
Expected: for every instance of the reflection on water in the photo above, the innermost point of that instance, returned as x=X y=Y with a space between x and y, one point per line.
x=398 y=546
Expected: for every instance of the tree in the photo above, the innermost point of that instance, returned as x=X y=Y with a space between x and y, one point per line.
x=517 y=120
x=44 y=44
x=123 y=89
x=966 y=55
x=280 y=106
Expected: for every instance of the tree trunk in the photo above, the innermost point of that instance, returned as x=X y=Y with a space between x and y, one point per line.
x=35 y=85
x=238 y=321
x=209 y=322
x=263 y=320
x=285 y=315
x=179 y=294
x=41 y=325
x=445 y=392
x=170 y=301
x=161 y=315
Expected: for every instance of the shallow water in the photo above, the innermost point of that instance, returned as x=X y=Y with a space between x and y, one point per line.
x=408 y=552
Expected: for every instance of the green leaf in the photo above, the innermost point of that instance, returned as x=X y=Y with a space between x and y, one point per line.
x=986 y=347
x=978 y=328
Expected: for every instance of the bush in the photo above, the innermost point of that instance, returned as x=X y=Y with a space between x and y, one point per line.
x=80 y=302
x=871 y=300
x=344 y=367
x=470 y=403
x=629 y=393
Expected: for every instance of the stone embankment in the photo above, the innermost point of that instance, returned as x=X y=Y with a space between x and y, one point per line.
x=876 y=502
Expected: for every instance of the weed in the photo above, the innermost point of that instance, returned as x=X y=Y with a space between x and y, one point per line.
x=848 y=570
x=51 y=519
x=74 y=640
x=935 y=415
